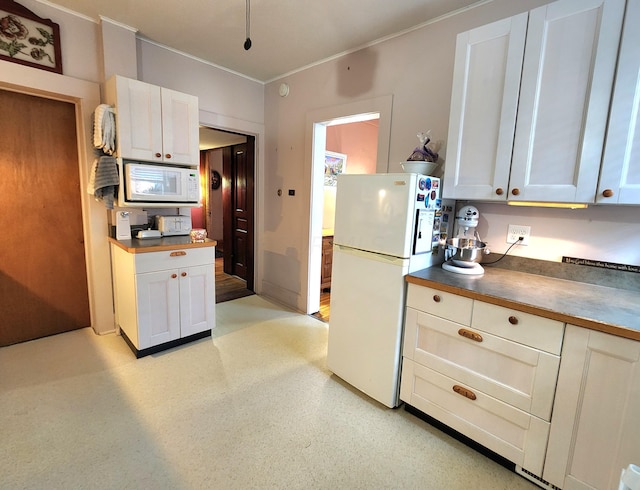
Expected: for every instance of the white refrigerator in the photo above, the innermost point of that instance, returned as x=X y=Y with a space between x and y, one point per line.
x=384 y=229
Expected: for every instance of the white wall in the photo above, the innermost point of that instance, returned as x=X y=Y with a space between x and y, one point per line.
x=416 y=69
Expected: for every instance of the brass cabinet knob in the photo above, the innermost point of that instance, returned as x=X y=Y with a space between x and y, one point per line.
x=158 y=155
x=173 y=276
x=607 y=193
x=499 y=191
x=168 y=155
x=513 y=320
x=515 y=192
x=436 y=298
x=184 y=274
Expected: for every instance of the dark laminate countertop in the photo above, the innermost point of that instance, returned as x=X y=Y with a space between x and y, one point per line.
x=160 y=244
x=607 y=309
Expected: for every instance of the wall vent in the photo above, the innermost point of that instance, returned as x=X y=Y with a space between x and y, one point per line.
x=535 y=479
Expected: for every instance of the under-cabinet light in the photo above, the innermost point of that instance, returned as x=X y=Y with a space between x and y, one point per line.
x=570 y=205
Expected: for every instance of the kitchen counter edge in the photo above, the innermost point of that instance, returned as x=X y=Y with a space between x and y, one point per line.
x=136 y=246
x=502 y=284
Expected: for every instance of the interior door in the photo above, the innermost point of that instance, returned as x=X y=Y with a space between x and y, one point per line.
x=43 y=274
x=238 y=200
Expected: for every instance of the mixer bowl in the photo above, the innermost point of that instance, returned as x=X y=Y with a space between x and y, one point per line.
x=468 y=251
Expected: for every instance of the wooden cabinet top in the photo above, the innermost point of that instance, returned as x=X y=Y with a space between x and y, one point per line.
x=160 y=244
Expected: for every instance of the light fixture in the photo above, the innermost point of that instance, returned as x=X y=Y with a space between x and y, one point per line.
x=565 y=205
x=247 y=42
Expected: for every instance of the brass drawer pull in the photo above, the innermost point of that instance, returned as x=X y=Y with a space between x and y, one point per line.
x=177 y=254
x=436 y=298
x=513 y=320
x=468 y=334
x=464 y=392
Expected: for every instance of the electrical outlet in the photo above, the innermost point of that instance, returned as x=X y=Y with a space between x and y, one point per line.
x=517 y=231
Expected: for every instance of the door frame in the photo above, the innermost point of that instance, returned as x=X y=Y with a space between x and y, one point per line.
x=223 y=123
x=86 y=97
x=315 y=143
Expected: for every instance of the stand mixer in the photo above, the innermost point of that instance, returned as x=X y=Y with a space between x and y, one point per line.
x=463 y=253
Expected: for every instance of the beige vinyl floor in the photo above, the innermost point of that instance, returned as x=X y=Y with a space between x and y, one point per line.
x=254 y=406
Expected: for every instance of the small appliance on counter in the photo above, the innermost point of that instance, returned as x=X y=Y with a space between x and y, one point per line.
x=464 y=252
x=173 y=225
x=123 y=225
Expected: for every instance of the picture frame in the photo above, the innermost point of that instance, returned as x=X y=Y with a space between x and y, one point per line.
x=334 y=164
x=28 y=39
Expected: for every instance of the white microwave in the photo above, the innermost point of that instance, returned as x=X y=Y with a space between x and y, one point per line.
x=156 y=184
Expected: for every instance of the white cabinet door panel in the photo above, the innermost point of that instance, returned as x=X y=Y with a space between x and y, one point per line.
x=595 y=431
x=158 y=307
x=621 y=163
x=484 y=102
x=180 y=121
x=567 y=78
x=197 y=299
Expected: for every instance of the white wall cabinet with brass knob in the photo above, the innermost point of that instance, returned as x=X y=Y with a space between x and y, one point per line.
x=530 y=102
x=620 y=175
x=164 y=297
x=154 y=124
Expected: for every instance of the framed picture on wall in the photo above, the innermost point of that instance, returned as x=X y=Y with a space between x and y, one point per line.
x=334 y=165
x=28 y=39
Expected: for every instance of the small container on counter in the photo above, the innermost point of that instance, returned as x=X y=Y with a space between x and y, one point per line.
x=198 y=235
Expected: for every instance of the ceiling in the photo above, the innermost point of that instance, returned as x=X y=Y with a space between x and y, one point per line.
x=286 y=35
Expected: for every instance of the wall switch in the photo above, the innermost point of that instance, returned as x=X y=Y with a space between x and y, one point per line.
x=517 y=231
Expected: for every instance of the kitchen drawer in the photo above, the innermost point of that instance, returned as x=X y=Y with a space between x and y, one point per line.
x=506 y=430
x=446 y=305
x=509 y=371
x=531 y=330
x=173 y=259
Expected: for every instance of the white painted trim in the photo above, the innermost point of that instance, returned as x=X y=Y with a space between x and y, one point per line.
x=315 y=137
x=218 y=121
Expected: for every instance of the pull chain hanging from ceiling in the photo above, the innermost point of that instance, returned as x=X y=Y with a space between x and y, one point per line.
x=247 y=42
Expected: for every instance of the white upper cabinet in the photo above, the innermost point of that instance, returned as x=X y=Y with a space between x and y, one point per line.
x=154 y=124
x=620 y=176
x=551 y=150
x=484 y=102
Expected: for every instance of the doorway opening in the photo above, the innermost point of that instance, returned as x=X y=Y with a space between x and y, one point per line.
x=227 y=168
x=361 y=132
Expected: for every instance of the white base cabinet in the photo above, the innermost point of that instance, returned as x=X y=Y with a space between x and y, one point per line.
x=164 y=296
x=486 y=371
x=595 y=432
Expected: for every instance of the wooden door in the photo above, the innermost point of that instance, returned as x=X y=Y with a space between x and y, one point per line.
x=238 y=199
x=43 y=274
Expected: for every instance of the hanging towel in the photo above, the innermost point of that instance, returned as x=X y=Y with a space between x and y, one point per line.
x=91 y=186
x=104 y=129
x=106 y=180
